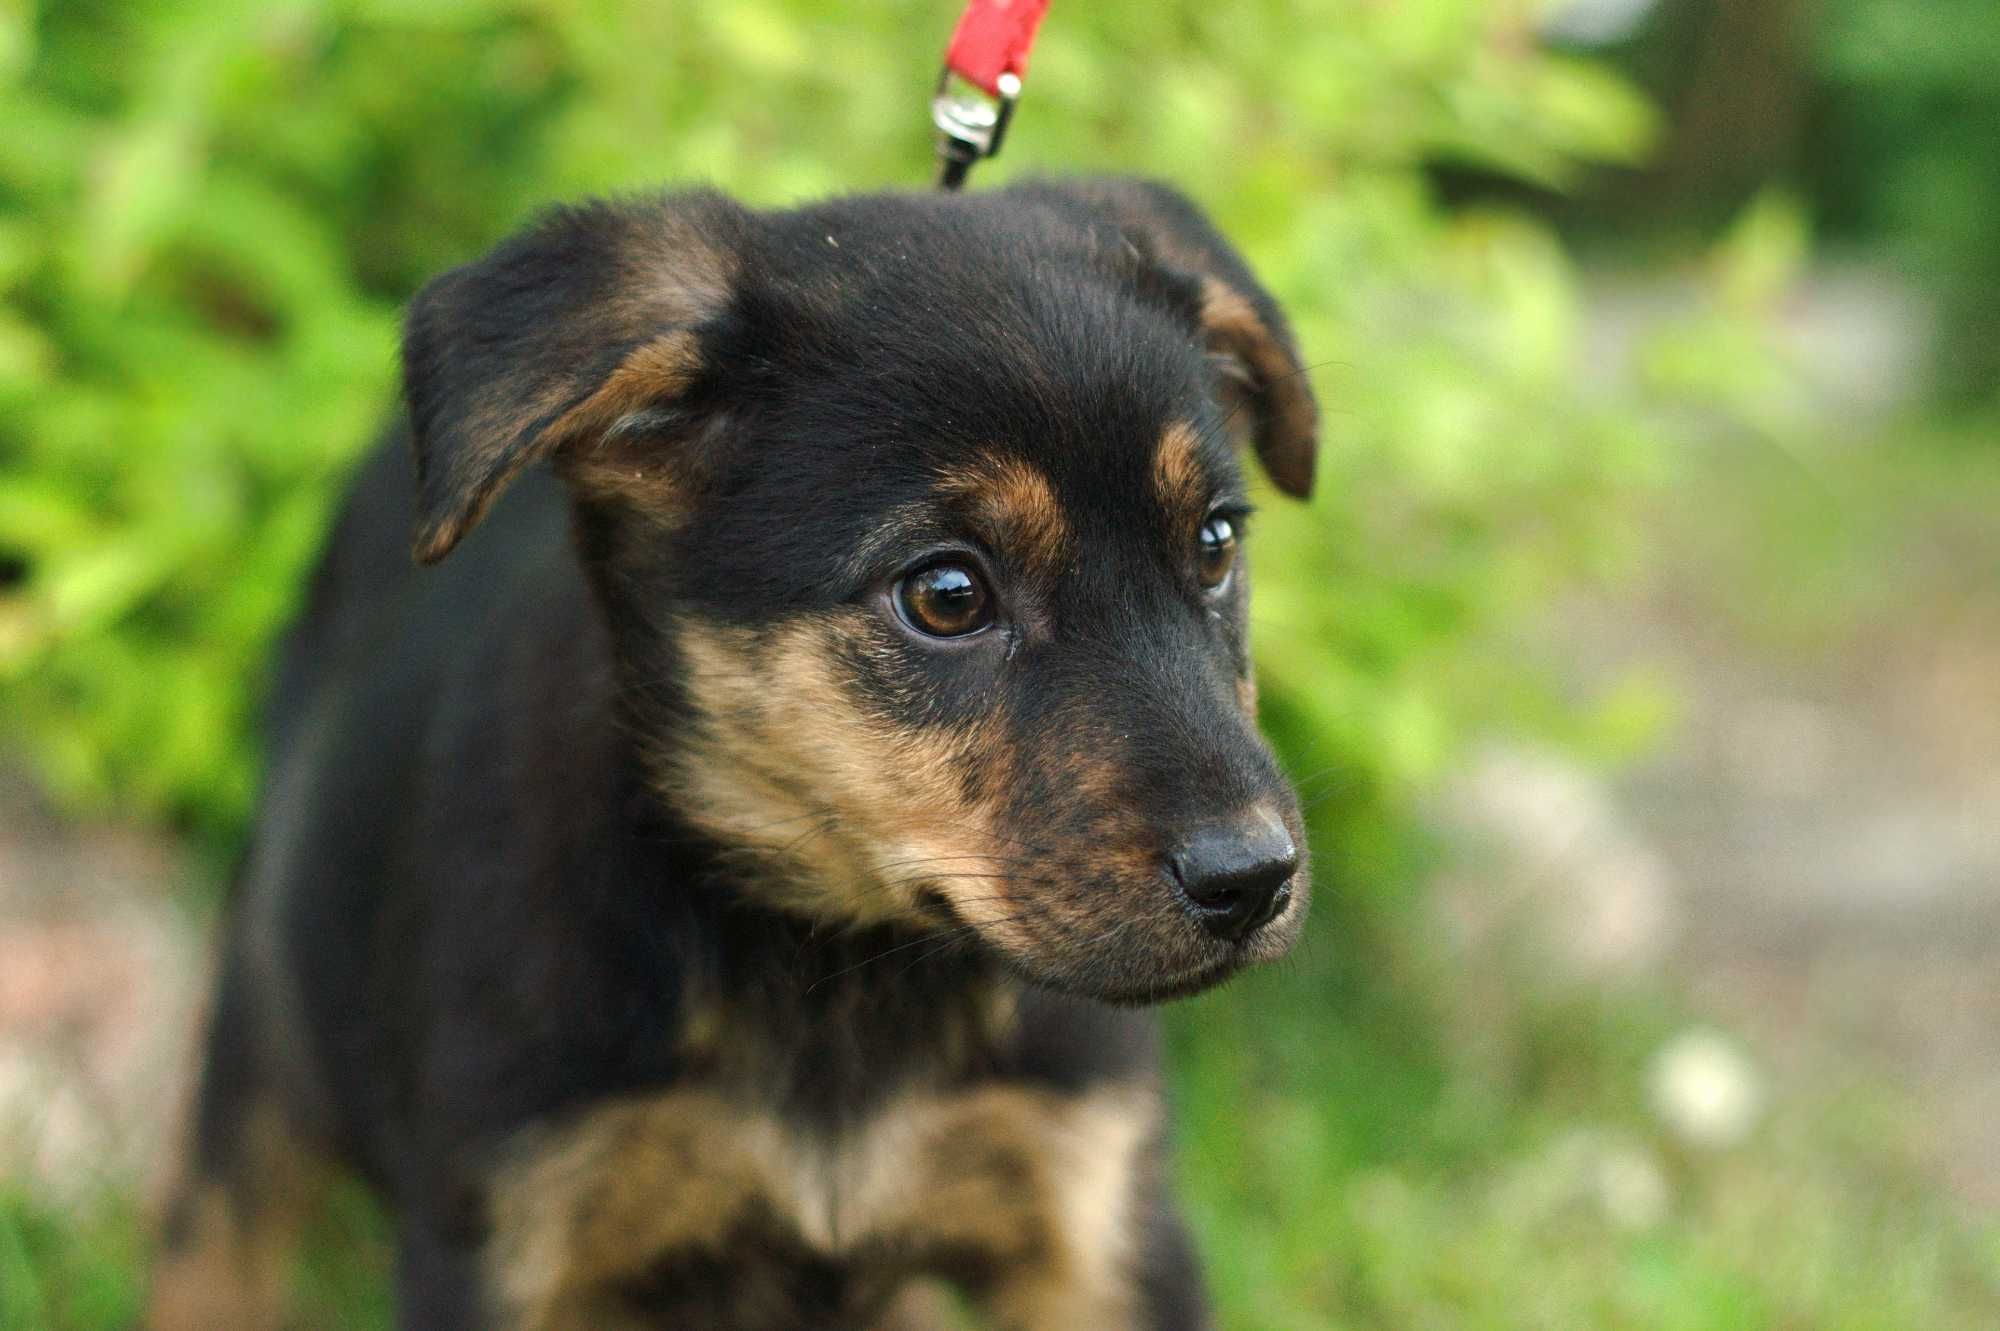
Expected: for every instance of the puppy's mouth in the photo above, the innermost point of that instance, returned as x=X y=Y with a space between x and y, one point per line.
x=1140 y=959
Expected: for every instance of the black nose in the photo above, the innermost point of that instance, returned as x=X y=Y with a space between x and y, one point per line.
x=1237 y=876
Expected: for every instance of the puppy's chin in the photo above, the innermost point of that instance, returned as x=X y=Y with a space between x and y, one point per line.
x=1139 y=973
x=1126 y=992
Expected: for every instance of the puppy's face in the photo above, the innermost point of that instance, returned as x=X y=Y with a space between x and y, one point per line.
x=922 y=540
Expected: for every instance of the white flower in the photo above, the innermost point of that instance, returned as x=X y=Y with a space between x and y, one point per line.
x=1704 y=1089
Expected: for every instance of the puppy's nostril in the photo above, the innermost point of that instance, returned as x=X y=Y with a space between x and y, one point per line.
x=1236 y=878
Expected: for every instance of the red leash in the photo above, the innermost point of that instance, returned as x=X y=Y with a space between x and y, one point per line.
x=987 y=54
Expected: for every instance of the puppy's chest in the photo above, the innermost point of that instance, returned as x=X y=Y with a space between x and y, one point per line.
x=693 y=1195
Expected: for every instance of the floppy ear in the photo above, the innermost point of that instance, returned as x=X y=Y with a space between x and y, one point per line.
x=1238 y=316
x=584 y=327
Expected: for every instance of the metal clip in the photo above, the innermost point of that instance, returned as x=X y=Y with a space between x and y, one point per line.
x=970 y=124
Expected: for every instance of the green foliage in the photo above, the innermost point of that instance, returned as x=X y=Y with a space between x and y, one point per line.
x=66 y=1271
x=210 y=213
x=1904 y=151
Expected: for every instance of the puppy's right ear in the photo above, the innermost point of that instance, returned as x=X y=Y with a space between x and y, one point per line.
x=586 y=325
x=1240 y=321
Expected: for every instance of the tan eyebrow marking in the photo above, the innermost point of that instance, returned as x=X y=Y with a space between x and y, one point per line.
x=1018 y=503
x=1178 y=481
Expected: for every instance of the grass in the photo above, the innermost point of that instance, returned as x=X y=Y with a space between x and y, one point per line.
x=1346 y=1170
x=66 y=1269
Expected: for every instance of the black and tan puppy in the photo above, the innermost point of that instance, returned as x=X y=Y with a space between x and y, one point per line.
x=719 y=894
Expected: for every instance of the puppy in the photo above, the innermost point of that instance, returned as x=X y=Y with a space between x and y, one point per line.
x=720 y=894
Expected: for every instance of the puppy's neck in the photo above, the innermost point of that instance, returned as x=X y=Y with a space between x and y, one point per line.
x=831 y=1022
x=786 y=999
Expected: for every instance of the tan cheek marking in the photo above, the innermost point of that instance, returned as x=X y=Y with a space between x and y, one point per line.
x=784 y=764
x=1113 y=846
x=1018 y=504
x=1178 y=482
x=1246 y=695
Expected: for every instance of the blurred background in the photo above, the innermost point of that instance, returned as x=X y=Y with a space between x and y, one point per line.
x=1639 y=657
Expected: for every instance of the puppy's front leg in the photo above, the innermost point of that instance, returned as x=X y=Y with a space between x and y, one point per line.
x=1115 y=1253
x=1153 y=1286
x=1171 y=1296
x=437 y=1282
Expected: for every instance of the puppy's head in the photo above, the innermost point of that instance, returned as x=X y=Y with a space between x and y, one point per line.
x=919 y=532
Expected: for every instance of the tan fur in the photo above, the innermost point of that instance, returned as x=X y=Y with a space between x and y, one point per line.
x=859 y=812
x=1178 y=482
x=228 y=1263
x=225 y=1274
x=597 y=1203
x=1287 y=436
x=1089 y=1154
x=661 y=369
x=849 y=816
x=655 y=372
x=674 y=278
x=1034 y=1185
x=1017 y=508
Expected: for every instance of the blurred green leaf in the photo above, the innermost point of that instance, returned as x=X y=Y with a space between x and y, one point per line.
x=1764 y=252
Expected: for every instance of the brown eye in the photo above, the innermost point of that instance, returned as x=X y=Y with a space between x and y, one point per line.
x=945 y=601
x=1215 y=554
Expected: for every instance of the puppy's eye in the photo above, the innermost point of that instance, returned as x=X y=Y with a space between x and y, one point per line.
x=1215 y=552
x=944 y=601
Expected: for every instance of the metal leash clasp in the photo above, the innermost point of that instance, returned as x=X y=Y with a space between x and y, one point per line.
x=970 y=123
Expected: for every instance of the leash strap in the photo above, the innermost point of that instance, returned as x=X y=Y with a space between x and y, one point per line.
x=980 y=82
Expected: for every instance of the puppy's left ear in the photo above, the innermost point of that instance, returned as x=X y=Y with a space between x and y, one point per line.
x=1238 y=317
x=584 y=328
